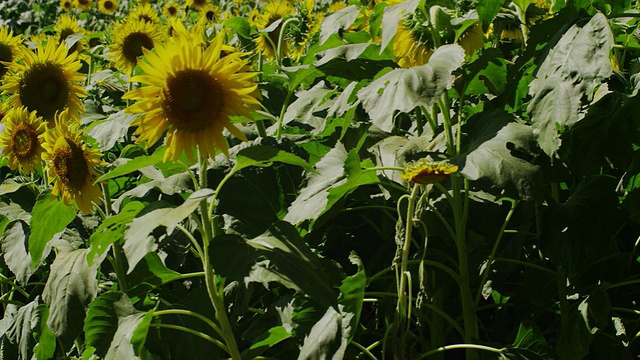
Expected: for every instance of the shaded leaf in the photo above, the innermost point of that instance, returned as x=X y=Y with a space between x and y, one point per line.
x=111 y=230
x=49 y=216
x=352 y=294
x=102 y=319
x=231 y=256
x=149 y=274
x=23 y=328
x=240 y=25
x=404 y=89
x=138 y=239
x=71 y=286
x=46 y=346
x=14 y=248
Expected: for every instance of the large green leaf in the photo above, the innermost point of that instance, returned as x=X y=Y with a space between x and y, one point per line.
x=149 y=274
x=46 y=346
x=338 y=173
x=22 y=330
x=571 y=71
x=127 y=166
x=529 y=343
x=495 y=158
x=339 y=20
x=71 y=286
x=49 y=216
x=14 y=248
x=327 y=339
x=121 y=346
x=309 y=107
x=352 y=295
x=111 y=230
x=102 y=319
x=138 y=238
x=405 y=89
x=264 y=155
x=107 y=132
x=487 y=10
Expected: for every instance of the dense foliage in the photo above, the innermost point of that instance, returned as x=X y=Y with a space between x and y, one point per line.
x=421 y=179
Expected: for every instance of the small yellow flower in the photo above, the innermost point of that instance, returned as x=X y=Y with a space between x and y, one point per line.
x=171 y=9
x=129 y=38
x=84 y=4
x=11 y=48
x=426 y=171
x=21 y=141
x=66 y=4
x=108 y=7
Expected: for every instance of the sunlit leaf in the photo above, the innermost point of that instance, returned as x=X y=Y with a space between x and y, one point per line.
x=340 y=20
x=107 y=132
x=71 y=286
x=102 y=319
x=264 y=155
x=46 y=346
x=111 y=230
x=49 y=216
x=327 y=339
x=132 y=165
x=391 y=18
x=270 y=338
x=404 y=89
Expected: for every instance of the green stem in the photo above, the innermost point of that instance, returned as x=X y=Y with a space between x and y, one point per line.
x=404 y=303
x=118 y=252
x=461 y=346
x=282 y=112
x=435 y=264
x=281 y=35
x=364 y=350
x=192 y=314
x=192 y=332
x=445 y=316
x=215 y=296
x=448 y=129
x=496 y=244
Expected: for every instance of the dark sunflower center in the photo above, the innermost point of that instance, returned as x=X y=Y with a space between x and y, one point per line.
x=192 y=99
x=199 y=2
x=70 y=164
x=210 y=15
x=67 y=5
x=108 y=5
x=83 y=2
x=172 y=10
x=24 y=142
x=5 y=55
x=133 y=44
x=44 y=88
x=145 y=18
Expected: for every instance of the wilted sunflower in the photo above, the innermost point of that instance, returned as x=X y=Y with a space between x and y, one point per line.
x=408 y=47
x=108 y=7
x=267 y=42
x=427 y=171
x=67 y=25
x=190 y=94
x=11 y=48
x=171 y=9
x=197 y=4
x=84 y=4
x=71 y=164
x=47 y=82
x=129 y=38
x=21 y=141
x=66 y=4
x=146 y=13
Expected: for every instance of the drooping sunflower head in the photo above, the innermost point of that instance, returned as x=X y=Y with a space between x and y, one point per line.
x=190 y=93
x=66 y=5
x=21 y=142
x=129 y=38
x=11 y=48
x=427 y=171
x=108 y=7
x=84 y=4
x=267 y=41
x=71 y=164
x=146 y=13
x=47 y=82
x=171 y=10
x=67 y=25
x=306 y=28
x=410 y=47
x=472 y=39
x=198 y=5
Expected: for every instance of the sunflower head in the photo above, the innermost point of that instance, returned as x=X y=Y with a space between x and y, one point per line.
x=21 y=141
x=146 y=13
x=71 y=164
x=108 y=7
x=129 y=38
x=410 y=46
x=171 y=10
x=84 y=4
x=67 y=25
x=11 y=48
x=426 y=171
x=66 y=5
x=306 y=28
x=198 y=5
x=190 y=93
x=267 y=41
x=472 y=40
x=47 y=82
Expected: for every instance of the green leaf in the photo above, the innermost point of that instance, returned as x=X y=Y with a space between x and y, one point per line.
x=132 y=165
x=339 y=20
x=310 y=107
x=139 y=335
x=240 y=25
x=102 y=319
x=338 y=173
x=352 y=294
x=494 y=160
x=487 y=10
x=293 y=263
x=107 y=132
x=571 y=71
x=392 y=16
x=405 y=89
x=489 y=73
x=71 y=286
x=49 y=216
x=299 y=74
x=264 y=342
x=529 y=343
x=111 y=230
x=10 y=186
x=138 y=238
x=326 y=339
x=25 y=325
x=46 y=346
x=149 y=274
x=14 y=248
x=231 y=256
x=264 y=156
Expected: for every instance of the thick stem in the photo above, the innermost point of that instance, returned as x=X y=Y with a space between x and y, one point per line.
x=404 y=302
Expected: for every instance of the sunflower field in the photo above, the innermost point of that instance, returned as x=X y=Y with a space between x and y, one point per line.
x=328 y=179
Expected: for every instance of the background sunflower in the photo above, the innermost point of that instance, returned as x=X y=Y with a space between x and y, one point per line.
x=21 y=141
x=11 y=48
x=129 y=38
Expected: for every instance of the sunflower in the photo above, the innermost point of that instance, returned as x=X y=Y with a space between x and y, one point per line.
x=171 y=10
x=47 y=82
x=408 y=50
x=190 y=94
x=66 y=5
x=11 y=48
x=198 y=4
x=209 y=16
x=108 y=7
x=307 y=26
x=84 y=4
x=67 y=25
x=71 y=164
x=336 y=6
x=472 y=40
x=130 y=37
x=266 y=43
x=144 y=12
x=426 y=171
x=21 y=141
